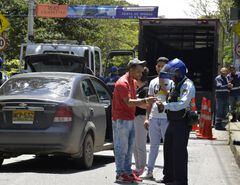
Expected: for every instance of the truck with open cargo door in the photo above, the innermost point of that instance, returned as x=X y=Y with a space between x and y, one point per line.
x=61 y=56
x=197 y=42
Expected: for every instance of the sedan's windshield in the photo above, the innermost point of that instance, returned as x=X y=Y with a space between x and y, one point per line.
x=37 y=86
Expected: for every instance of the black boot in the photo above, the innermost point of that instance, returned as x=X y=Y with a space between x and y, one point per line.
x=234 y=117
x=218 y=126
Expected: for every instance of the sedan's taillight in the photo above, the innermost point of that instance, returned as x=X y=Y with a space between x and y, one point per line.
x=63 y=114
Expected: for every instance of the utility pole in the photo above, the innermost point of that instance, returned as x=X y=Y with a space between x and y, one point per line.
x=30 y=35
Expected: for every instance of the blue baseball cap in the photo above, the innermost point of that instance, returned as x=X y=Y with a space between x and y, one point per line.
x=114 y=69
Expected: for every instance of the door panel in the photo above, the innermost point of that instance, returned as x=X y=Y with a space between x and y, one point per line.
x=96 y=111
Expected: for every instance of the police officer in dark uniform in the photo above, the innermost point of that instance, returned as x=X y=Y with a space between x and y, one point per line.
x=177 y=134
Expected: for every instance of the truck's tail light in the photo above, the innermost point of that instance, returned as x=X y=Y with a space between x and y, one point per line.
x=63 y=114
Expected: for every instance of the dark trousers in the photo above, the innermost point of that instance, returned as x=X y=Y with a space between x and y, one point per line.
x=175 y=152
x=222 y=104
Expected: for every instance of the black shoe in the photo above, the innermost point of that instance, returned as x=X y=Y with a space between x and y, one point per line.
x=220 y=128
x=163 y=181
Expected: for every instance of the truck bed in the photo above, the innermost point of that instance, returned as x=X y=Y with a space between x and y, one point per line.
x=194 y=41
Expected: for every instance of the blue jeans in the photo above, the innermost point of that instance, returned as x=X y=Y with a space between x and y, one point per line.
x=123 y=137
x=221 y=109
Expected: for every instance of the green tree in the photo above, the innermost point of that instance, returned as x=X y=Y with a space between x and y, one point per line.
x=108 y=34
x=237 y=3
x=201 y=9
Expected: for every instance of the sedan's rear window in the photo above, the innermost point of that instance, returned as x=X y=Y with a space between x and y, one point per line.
x=35 y=86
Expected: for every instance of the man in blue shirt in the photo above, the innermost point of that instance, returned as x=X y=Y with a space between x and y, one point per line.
x=113 y=76
x=234 y=98
x=222 y=98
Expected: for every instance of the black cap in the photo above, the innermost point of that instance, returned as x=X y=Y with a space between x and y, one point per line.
x=135 y=62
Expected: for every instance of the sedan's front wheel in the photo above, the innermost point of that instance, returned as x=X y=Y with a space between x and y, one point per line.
x=86 y=160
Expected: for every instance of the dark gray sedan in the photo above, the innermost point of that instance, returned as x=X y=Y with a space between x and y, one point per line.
x=55 y=113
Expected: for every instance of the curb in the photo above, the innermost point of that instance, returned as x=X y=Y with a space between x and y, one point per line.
x=236 y=152
x=234 y=141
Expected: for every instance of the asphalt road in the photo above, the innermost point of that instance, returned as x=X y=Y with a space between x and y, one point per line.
x=210 y=163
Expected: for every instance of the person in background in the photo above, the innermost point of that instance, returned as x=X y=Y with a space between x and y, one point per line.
x=123 y=113
x=140 y=131
x=1 y=63
x=156 y=122
x=121 y=70
x=223 y=87
x=3 y=76
x=175 y=169
x=113 y=76
x=234 y=98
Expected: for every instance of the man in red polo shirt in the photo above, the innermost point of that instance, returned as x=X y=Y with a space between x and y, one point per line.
x=123 y=114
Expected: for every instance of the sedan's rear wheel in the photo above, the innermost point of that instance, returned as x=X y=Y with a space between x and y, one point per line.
x=86 y=160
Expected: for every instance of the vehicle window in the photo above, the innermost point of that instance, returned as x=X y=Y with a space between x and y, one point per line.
x=56 y=62
x=102 y=92
x=37 y=86
x=92 y=62
x=88 y=91
x=86 y=57
x=97 y=63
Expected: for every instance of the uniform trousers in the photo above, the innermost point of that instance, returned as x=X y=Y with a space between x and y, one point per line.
x=175 y=152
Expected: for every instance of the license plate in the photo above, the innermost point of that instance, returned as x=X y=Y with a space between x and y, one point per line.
x=22 y=117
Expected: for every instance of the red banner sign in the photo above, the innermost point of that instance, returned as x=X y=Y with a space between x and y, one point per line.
x=51 y=11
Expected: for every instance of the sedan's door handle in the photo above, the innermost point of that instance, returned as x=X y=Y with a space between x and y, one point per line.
x=91 y=112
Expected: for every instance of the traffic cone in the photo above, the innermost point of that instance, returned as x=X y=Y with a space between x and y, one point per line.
x=202 y=119
x=207 y=128
x=194 y=108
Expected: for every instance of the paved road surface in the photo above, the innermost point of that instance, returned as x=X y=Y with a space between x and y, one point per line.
x=210 y=163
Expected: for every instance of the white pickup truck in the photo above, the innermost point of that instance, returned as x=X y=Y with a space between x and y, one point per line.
x=60 y=56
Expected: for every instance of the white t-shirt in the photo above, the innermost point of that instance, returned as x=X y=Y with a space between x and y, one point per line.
x=154 y=91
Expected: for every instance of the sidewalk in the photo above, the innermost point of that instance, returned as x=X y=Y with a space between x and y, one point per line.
x=234 y=139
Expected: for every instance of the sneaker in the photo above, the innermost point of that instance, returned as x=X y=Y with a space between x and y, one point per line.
x=135 y=178
x=146 y=175
x=124 y=178
x=138 y=172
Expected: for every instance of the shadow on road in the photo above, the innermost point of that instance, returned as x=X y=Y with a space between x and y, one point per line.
x=54 y=165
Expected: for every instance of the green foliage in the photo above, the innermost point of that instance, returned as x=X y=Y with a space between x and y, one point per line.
x=12 y=66
x=237 y=3
x=108 y=34
x=227 y=54
x=200 y=8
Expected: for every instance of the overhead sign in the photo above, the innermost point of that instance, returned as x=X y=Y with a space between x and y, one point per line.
x=96 y=12
x=51 y=11
x=237 y=49
x=4 y=24
x=2 y=43
x=112 y=12
x=236 y=29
